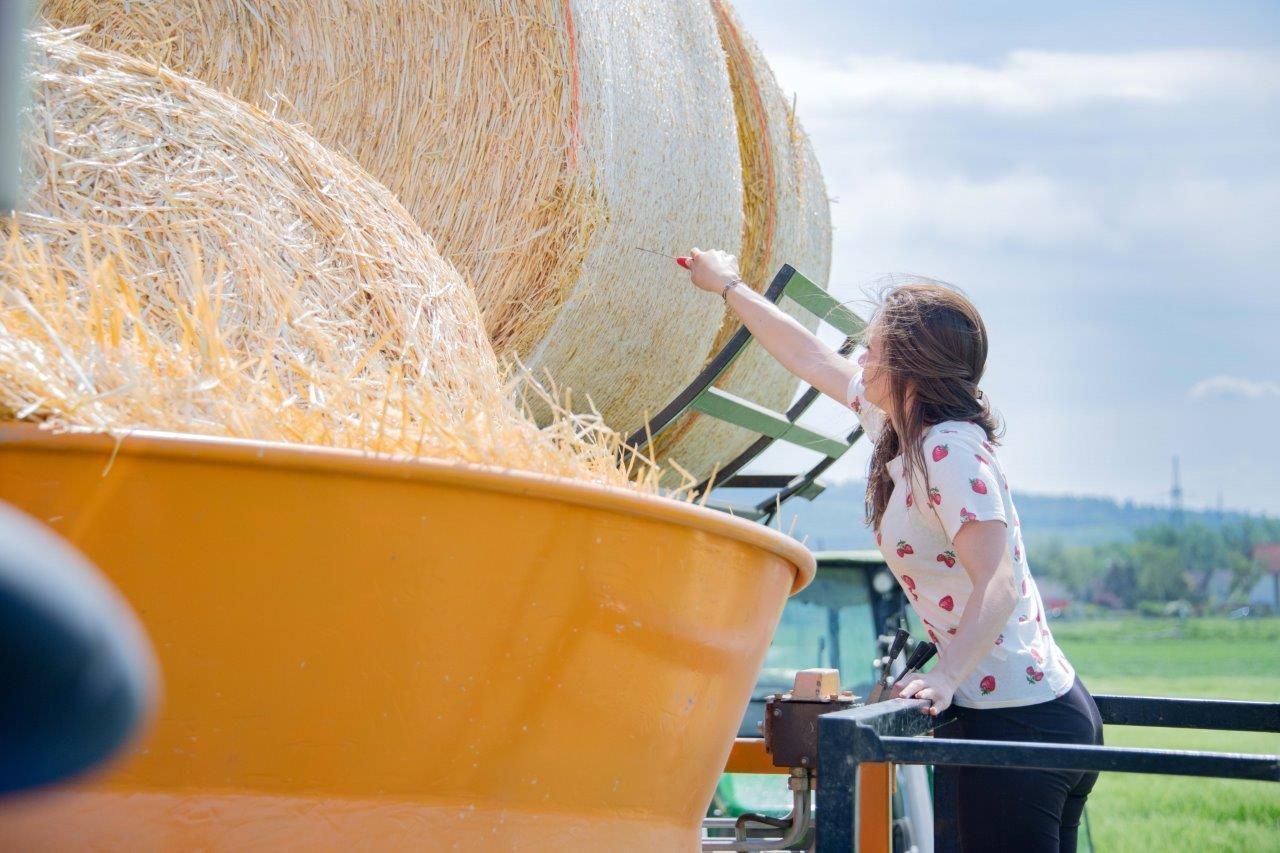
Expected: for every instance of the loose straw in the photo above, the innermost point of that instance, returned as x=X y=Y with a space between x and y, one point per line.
x=537 y=142
x=187 y=262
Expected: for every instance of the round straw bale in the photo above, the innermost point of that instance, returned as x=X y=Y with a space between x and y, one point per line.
x=659 y=130
x=465 y=109
x=787 y=220
x=539 y=142
x=186 y=262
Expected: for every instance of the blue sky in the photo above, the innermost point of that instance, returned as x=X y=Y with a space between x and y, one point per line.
x=1102 y=180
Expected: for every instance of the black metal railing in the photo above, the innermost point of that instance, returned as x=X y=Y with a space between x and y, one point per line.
x=889 y=732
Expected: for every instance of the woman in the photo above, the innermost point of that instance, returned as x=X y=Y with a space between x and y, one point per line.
x=944 y=519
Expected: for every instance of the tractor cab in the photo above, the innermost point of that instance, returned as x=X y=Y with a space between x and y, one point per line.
x=845 y=620
x=836 y=622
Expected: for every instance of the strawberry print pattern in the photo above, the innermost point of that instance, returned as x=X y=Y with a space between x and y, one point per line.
x=961 y=476
x=963 y=482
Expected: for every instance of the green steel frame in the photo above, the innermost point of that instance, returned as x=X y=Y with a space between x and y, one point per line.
x=703 y=397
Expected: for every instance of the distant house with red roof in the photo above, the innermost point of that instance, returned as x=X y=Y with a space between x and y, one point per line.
x=1266 y=592
x=1055 y=595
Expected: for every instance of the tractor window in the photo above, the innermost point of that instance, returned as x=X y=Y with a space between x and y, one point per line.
x=827 y=624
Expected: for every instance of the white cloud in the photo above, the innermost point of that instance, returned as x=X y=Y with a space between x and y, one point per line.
x=1234 y=386
x=884 y=205
x=1031 y=81
x=1227 y=218
x=894 y=207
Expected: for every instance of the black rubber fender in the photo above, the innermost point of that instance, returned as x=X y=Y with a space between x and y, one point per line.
x=77 y=675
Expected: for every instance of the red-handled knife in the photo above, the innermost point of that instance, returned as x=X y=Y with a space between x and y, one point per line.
x=682 y=261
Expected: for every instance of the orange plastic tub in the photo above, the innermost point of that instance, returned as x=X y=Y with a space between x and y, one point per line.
x=364 y=653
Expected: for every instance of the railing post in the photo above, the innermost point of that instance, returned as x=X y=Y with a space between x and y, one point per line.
x=837 y=784
x=855 y=781
x=946 y=808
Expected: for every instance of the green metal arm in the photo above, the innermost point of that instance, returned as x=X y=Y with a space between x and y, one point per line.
x=702 y=396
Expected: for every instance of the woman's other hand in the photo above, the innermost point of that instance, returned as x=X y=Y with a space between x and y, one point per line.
x=712 y=270
x=930 y=685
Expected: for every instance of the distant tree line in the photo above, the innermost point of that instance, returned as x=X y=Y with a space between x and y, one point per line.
x=1163 y=563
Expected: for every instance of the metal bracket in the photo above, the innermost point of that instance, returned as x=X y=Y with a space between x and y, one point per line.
x=791 y=738
x=791 y=727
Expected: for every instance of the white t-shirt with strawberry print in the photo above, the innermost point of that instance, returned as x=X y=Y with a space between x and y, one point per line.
x=917 y=537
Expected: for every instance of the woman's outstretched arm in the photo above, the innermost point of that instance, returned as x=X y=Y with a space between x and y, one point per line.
x=795 y=347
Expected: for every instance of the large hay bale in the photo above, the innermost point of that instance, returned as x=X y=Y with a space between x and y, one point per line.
x=186 y=262
x=539 y=142
x=786 y=220
x=659 y=131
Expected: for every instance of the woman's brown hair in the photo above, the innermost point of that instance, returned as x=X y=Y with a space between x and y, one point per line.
x=931 y=342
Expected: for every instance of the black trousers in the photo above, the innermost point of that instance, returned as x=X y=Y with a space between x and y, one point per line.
x=1024 y=810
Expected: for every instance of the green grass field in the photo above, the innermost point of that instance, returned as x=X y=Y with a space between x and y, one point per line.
x=1206 y=658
